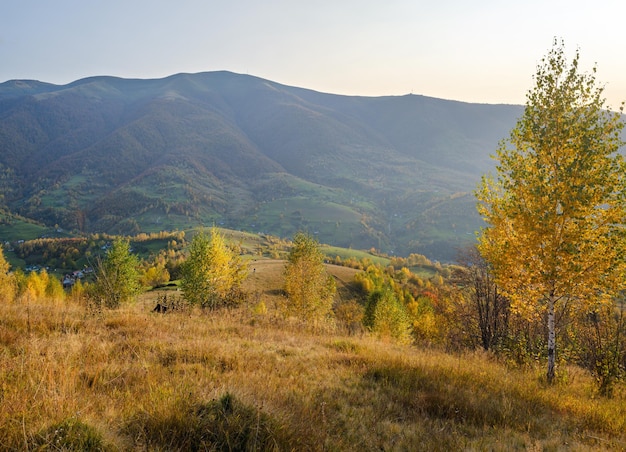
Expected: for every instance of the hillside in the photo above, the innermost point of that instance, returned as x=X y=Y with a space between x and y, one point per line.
x=242 y=379
x=105 y=154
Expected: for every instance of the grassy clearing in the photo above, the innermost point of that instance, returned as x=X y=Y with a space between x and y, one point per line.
x=286 y=216
x=345 y=253
x=13 y=228
x=235 y=380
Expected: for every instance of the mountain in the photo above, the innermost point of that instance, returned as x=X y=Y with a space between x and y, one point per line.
x=106 y=154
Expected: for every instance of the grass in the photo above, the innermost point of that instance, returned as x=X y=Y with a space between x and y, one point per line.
x=323 y=218
x=14 y=228
x=235 y=380
x=346 y=253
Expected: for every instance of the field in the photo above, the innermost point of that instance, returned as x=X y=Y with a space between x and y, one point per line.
x=247 y=379
x=13 y=228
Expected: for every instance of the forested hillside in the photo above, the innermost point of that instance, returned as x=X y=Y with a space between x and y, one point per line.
x=115 y=155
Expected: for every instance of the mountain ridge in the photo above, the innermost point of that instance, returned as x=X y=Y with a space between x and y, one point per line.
x=108 y=154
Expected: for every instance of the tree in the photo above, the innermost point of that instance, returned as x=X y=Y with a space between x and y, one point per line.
x=387 y=316
x=7 y=280
x=155 y=275
x=490 y=308
x=213 y=272
x=555 y=213
x=601 y=348
x=117 y=276
x=36 y=283
x=310 y=289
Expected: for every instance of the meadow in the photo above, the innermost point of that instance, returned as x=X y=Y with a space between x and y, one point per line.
x=246 y=379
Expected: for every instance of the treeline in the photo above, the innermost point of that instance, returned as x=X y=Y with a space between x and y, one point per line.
x=68 y=254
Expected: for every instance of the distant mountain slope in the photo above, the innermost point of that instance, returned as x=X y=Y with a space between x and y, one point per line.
x=120 y=155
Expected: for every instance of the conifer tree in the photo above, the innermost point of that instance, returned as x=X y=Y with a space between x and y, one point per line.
x=556 y=211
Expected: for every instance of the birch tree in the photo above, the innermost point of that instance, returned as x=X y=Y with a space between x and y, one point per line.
x=117 y=276
x=556 y=209
x=310 y=289
x=213 y=272
x=7 y=280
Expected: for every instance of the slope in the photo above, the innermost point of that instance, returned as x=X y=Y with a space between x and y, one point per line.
x=124 y=155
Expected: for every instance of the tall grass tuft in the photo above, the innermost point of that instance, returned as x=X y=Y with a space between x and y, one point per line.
x=69 y=435
x=224 y=424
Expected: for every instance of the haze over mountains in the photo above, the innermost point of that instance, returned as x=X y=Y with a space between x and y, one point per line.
x=106 y=154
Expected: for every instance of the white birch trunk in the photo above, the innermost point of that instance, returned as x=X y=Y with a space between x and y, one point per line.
x=551 y=340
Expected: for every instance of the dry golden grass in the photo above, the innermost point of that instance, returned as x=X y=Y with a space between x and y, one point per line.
x=233 y=380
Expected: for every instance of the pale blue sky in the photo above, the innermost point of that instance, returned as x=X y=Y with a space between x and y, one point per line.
x=475 y=51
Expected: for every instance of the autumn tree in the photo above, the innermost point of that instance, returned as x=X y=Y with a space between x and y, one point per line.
x=310 y=289
x=213 y=272
x=36 y=284
x=155 y=274
x=386 y=316
x=117 y=276
x=7 y=280
x=555 y=211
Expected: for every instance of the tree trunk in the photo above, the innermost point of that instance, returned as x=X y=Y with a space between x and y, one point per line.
x=551 y=340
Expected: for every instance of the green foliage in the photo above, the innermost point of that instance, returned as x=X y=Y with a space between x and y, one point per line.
x=426 y=303
x=310 y=289
x=117 y=276
x=72 y=253
x=213 y=272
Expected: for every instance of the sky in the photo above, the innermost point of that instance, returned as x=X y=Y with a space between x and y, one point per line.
x=482 y=51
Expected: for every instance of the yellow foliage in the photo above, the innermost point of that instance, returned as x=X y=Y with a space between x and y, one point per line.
x=260 y=308
x=7 y=281
x=212 y=272
x=555 y=211
x=310 y=289
x=36 y=284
